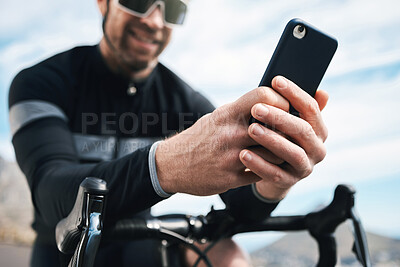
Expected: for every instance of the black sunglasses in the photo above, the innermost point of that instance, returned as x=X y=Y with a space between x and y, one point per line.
x=174 y=10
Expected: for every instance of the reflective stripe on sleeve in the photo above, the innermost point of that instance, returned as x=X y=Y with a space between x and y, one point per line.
x=25 y=112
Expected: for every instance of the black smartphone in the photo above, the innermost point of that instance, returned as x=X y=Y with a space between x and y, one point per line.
x=302 y=55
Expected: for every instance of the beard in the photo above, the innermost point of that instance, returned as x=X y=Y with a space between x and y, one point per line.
x=128 y=52
x=136 y=65
x=134 y=60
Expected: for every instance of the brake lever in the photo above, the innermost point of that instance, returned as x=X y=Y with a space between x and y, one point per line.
x=360 y=246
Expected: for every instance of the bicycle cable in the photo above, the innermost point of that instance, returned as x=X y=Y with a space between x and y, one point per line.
x=185 y=242
x=206 y=250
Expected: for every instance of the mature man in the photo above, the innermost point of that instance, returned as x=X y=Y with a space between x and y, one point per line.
x=96 y=111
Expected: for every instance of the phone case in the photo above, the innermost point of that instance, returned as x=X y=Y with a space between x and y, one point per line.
x=302 y=60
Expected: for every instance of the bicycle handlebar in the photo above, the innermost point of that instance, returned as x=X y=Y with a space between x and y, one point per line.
x=215 y=225
x=190 y=227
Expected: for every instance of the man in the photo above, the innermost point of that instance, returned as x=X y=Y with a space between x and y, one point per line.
x=96 y=110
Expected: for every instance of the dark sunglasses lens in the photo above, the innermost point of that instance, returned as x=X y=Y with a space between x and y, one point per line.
x=140 y=6
x=175 y=11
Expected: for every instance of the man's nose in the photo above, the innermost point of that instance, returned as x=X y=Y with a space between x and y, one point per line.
x=155 y=19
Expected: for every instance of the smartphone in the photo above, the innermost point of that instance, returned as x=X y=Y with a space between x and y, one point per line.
x=302 y=55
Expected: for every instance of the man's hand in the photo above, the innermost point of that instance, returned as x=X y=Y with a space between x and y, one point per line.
x=204 y=159
x=296 y=144
x=221 y=151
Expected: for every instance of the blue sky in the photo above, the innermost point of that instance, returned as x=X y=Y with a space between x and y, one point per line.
x=222 y=51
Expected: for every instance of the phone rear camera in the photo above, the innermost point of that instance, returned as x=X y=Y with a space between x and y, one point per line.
x=299 y=31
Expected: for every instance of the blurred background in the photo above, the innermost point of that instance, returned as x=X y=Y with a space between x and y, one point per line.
x=222 y=51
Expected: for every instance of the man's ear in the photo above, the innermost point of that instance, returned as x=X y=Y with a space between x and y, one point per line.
x=102 y=4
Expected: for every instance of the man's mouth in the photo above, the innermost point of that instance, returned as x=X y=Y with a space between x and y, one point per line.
x=144 y=42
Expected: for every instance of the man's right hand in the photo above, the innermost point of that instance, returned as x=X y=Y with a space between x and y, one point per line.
x=204 y=159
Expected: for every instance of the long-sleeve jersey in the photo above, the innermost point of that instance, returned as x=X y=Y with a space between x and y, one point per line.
x=71 y=117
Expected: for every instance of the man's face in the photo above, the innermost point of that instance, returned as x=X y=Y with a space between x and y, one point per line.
x=138 y=41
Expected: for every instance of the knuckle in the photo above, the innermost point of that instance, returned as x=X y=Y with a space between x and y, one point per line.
x=283 y=181
x=221 y=115
x=265 y=95
x=308 y=132
x=307 y=171
x=303 y=163
x=217 y=115
x=277 y=176
x=324 y=134
x=320 y=154
x=312 y=107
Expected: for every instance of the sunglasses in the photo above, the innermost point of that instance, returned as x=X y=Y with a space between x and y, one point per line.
x=174 y=10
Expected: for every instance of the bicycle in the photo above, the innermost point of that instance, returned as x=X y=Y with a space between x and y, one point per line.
x=79 y=234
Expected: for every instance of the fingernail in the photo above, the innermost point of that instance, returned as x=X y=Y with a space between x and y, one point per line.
x=281 y=83
x=246 y=156
x=257 y=130
x=261 y=110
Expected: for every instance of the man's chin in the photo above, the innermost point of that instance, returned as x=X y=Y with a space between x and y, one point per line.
x=139 y=65
x=133 y=66
x=139 y=69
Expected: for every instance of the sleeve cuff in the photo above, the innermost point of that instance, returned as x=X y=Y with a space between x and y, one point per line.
x=261 y=198
x=153 y=172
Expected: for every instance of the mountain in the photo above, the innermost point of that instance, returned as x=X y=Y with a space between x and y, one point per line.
x=15 y=205
x=299 y=249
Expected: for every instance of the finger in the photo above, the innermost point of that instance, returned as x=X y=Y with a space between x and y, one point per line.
x=282 y=148
x=298 y=130
x=259 y=95
x=250 y=143
x=306 y=105
x=267 y=171
x=266 y=155
x=246 y=177
x=322 y=98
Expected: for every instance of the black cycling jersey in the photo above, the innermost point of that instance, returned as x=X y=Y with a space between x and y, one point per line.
x=71 y=117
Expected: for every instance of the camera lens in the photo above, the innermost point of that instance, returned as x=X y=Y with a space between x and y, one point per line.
x=299 y=31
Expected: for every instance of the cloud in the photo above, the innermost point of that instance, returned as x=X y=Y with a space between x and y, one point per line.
x=38 y=29
x=19 y=17
x=233 y=41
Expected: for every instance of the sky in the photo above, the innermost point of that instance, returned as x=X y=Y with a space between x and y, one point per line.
x=223 y=50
